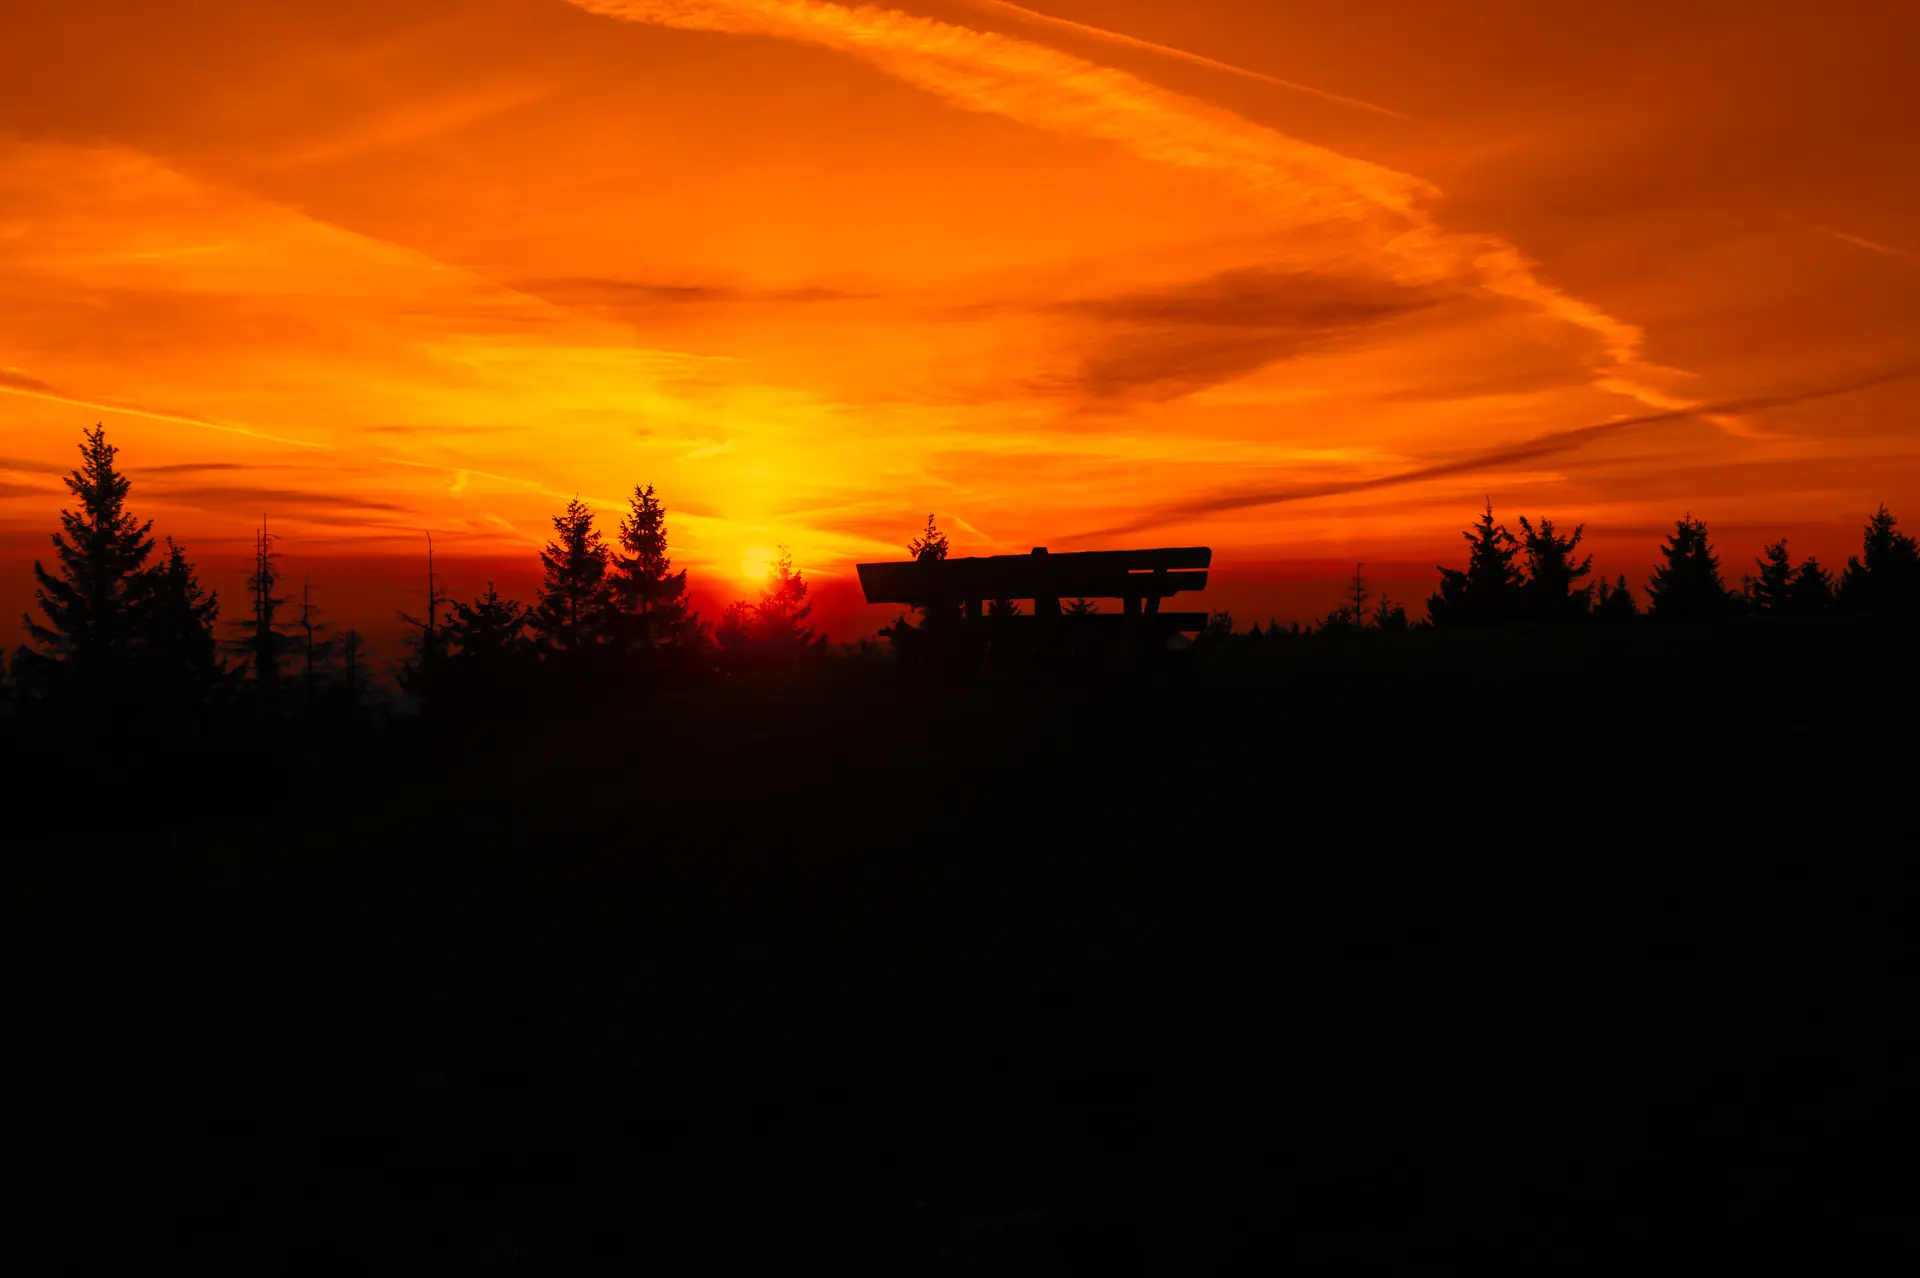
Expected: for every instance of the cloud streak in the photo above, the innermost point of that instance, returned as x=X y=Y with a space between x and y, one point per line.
x=1160 y=343
x=1169 y=51
x=1552 y=444
x=14 y=379
x=1381 y=214
x=109 y=406
x=242 y=497
x=618 y=292
x=1872 y=246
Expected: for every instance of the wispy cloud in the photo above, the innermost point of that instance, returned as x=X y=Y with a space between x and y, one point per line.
x=1872 y=246
x=1159 y=343
x=132 y=410
x=649 y=294
x=1169 y=51
x=15 y=379
x=419 y=122
x=192 y=468
x=1376 y=219
x=222 y=497
x=1552 y=444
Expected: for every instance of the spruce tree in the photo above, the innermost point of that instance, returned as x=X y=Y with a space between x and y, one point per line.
x=1357 y=597
x=353 y=665
x=1080 y=608
x=1340 y=619
x=930 y=547
x=1812 y=590
x=1390 y=617
x=775 y=624
x=576 y=606
x=1551 y=586
x=490 y=631
x=1616 y=603
x=1003 y=608
x=780 y=616
x=1886 y=572
x=426 y=638
x=1687 y=586
x=180 y=658
x=263 y=638
x=92 y=600
x=1771 y=591
x=316 y=649
x=739 y=627
x=1489 y=591
x=652 y=596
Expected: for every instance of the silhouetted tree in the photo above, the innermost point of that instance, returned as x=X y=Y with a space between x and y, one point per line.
x=1780 y=589
x=1771 y=591
x=1812 y=590
x=652 y=596
x=92 y=601
x=1489 y=591
x=426 y=638
x=180 y=661
x=737 y=629
x=1390 y=616
x=1687 y=587
x=490 y=631
x=576 y=603
x=1003 y=608
x=353 y=666
x=1219 y=627
x=1357 y=597
x=1615 y=603
x=1080 y=608
x=775 y=625
x=781 y=614
x=1886 y=572
x=264 y=639
x=930 y=546
x=1339 y=620
x=1551 y=589
x=315 y=649
x=491 y=659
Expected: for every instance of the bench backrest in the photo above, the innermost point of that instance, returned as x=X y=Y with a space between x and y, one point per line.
x=1093 y=574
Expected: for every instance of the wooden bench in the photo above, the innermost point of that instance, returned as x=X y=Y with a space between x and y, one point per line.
x=1139 y=579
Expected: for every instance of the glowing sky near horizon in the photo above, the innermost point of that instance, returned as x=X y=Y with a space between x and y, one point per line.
x=1295 y=280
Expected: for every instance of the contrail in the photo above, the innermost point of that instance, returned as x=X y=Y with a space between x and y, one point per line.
x=54 y=397
x=1548 y=445
x=100 y=406
x=1872 y=246
x=1169 y=51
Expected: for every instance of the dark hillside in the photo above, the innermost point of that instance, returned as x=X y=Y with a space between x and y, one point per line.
x=1418 y=950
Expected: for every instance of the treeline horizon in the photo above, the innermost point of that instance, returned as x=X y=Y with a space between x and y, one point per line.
x=129 y=637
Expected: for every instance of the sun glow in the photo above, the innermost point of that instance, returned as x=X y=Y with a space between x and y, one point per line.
x=756 y=564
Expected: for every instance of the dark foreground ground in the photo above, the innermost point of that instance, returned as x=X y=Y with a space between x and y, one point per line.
x=1412 y=956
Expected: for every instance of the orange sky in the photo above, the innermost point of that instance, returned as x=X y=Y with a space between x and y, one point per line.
x=1300 y=281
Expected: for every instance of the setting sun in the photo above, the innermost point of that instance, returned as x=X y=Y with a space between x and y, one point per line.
x=756 y=565
x=1078 y=274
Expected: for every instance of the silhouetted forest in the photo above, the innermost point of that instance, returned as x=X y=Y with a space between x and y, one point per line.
x=1563 y=925
x=129 y=644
